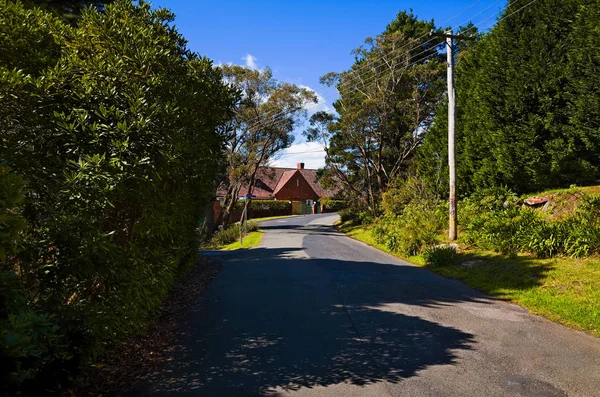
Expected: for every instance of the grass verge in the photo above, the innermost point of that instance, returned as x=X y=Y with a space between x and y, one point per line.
x=269 y=218
x=565 y=290
x=252 y=239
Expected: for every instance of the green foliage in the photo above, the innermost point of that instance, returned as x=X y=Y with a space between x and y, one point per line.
x=493 y=221
x=116 y=136
x=264 y=205
x=69 y=10
x=31 y=39
x=527 y=104
x=226 y=236
x=385 y=96
x=12 y=222
x=356 y=215
x=416 y=229
x=32 y=341
x=501 y=230
x=231 y=234
x=331 y=204
x=348 y=214
x=441 y=255
x=404 y=191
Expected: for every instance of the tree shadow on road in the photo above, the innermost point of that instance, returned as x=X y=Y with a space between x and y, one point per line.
x=293 y=323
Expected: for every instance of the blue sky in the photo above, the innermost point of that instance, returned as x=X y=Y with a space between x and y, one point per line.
x=302 y=40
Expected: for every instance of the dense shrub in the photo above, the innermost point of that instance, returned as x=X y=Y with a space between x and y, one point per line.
x=264 y=205
x=115 y=134
x=441 y=255
x=356 y=215
x=348 y=214
x=493 y=221
x=332 y=205
x=404 y=191
x=411 y=233
x=231 y=234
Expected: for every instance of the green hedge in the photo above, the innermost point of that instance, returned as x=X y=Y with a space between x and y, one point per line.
x=111 y=142
x=331 y=204
x=264 y=205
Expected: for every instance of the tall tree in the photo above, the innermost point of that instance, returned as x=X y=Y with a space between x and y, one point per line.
x=523 y=102
x=387 y=99
x=262 y=126
x=69 y=10
x=583 y=89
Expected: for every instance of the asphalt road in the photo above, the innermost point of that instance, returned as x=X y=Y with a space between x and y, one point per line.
x=312 y=312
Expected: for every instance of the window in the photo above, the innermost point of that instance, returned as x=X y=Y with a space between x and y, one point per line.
x=297 y=182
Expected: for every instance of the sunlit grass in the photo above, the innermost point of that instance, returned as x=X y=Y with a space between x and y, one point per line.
x=252 y=239
x=269 y=218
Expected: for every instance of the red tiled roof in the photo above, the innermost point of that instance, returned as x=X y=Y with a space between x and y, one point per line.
x=285 y=177
x=269 y=180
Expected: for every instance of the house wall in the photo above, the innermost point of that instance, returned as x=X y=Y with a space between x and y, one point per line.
x=297 y=189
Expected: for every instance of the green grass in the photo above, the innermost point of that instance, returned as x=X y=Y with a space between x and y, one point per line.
x=268 y=218
x=565 y=290
x=252 y=239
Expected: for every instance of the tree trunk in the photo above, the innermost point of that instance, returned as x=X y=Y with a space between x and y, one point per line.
x=208 y=227
x=228 y=204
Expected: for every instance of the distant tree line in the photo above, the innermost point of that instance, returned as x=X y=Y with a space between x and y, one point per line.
x=528 y=104
x=528 y=96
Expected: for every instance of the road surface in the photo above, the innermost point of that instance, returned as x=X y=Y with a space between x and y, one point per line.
x=311 y=312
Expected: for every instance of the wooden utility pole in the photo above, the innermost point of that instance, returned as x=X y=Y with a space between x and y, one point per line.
x=451 y=123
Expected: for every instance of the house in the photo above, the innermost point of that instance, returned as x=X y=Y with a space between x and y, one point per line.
x=298 y=185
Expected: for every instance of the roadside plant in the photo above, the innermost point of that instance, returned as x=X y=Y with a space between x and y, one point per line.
x=441 y=255
x=113 y=126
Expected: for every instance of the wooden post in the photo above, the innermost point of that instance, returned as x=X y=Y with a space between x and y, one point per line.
x=451 y=123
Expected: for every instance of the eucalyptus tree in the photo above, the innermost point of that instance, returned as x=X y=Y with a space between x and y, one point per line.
x=262 y=125
x=387 y=99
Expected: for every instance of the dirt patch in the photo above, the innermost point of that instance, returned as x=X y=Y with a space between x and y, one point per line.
x=563 y=204
x=118 y=374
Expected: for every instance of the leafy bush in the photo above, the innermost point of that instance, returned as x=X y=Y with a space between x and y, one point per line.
x=494 y=222
x=405 y=191
x=226 y=236
x=502 y=230
x=441 y=255
x=348 y=214
x=115 y=132
x=251 y=226
x=411 y=233
x=264 y=205
x=231 y=234
x=333 y=205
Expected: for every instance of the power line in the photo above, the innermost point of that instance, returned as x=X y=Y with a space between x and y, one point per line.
x=408 y=51
x=280 y=115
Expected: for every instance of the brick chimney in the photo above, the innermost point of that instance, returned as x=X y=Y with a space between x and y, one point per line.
x=300 y=166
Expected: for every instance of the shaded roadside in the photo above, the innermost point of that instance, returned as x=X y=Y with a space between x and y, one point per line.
x=282 y=325
x=145 y=355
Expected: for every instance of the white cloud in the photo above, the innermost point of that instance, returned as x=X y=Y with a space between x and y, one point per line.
x=321 y=104
x=250 y=61
x=219 y=63
x=311 y=154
